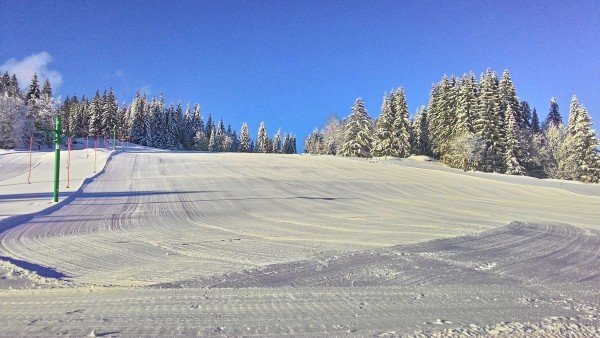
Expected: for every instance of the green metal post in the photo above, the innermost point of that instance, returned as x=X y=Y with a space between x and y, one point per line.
x=114 y=137
x=57 y=135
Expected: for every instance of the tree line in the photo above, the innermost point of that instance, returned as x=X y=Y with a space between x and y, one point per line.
x=148 y=122
x=473 y=125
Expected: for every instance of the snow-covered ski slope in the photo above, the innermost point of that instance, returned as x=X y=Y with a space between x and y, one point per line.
x=184 y=244
x=155 y=217
x=18 y=197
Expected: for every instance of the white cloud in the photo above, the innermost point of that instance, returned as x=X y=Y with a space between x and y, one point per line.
x=146 y=89
x=119 y=73
x=36 y=63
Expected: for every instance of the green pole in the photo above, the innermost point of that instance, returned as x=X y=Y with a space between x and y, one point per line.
x=57 y=134
x=114 y=137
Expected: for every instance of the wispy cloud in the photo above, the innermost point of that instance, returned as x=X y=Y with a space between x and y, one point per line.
x=119 y=73
x=36 y=63
x=146 y=89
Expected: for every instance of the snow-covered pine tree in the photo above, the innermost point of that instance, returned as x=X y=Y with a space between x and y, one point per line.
x=420 y=135
x=332 y=135
x=210 y=125
x=262 y=139
x=513 y=154
x=582 y=160
x=401 y=123
x=535 y=122
x=12 y=122
x=245 y=141
x=46 y=89
x=213 y=142
x=488 y=126
x=109 y=113
x=70 y=116
x=508 y=98
x=385 y=139
x=83 y=118
x=526 y=113
x=33 y=93
x=277 y=145
x=170 y=127
x=95 y=114
x=13 y=89
x=138 y=120
x=4 y=83
x=467 y=104
x=201 y=141
x=442 y=116
x=553 y=117
x=357 y=132
x=220 y=136
x=187 y=132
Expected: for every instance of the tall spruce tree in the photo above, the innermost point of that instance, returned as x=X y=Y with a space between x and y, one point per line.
x=357 y=132
x=508 y=98
x=262 y=139
x=580 y=146
x=467 y=105
x=513 y=155
x=401 y=124
x=277 y=145
x=489 y=126
x=95 y=116
x=386 y=138
x=535 y=122
x=526 y=113
x=420 y=135
x=245 y=141
x=553 y=117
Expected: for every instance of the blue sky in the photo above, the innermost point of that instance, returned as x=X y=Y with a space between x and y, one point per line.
x=293 y=63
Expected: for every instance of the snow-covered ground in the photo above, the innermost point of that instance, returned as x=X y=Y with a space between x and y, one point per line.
x=18 y=197
x=175 y=243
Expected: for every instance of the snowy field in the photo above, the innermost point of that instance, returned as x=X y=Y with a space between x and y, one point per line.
x=173 y=243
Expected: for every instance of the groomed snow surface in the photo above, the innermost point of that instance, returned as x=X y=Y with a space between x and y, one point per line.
x=173 y=243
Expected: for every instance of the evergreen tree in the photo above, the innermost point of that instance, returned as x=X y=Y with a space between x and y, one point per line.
x=357 y=132
x=332 y=135
x=488 y=126
x=187 y=131
x=220 y=136
x=526 y=113
x=581 y=147
x=401 y=123
x=513 y=156
x=14 y=87
x=138 y=120
x=214 y=143
x=442 y=117
x=4 y=83
x=386 y=138
x=245 y=141
x=508 y=98
x=262 y=139
x=95 y=114
x=210 y=125
x=277 y=145
x=554 y=117
x=420 y=135
x=535 y=122
x=46 y=89
x=12 y=122
x=109 y=113
x=466 y=110
x=33 y=93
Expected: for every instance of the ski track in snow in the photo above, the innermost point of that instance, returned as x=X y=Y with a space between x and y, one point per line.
x=236 y=244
